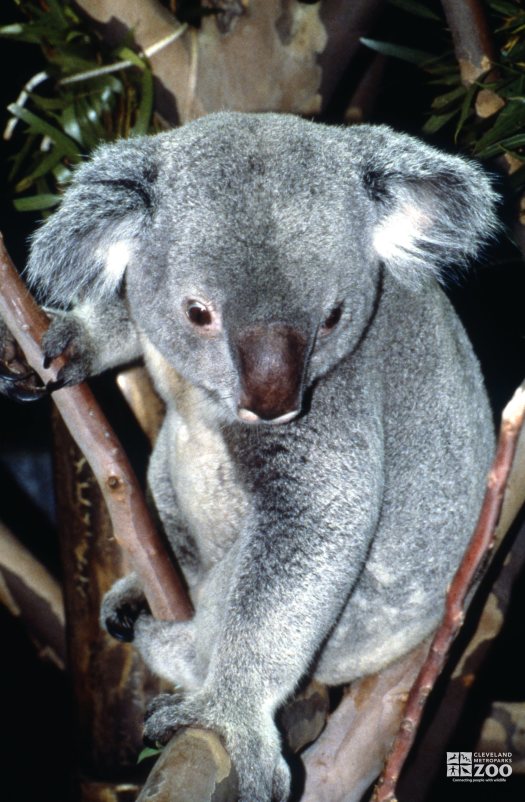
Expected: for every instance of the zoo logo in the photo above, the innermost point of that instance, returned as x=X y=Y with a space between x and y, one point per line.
x=488 y=766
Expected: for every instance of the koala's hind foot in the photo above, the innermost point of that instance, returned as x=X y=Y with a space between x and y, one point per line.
x=263 y=773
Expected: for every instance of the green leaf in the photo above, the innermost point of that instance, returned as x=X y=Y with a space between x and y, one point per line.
x=511 y=143
x=437 y=121
x=36 y=202
x=127 y=54
x=507 y=9
x=409 y=54
x=71 y=125
x=147 y=752
x=466 y=109
x=442 y=101
x=40 y=126
x=19 y=158
x=510 y=120
x=415 y=8
x=46 y=165
x=145 y=109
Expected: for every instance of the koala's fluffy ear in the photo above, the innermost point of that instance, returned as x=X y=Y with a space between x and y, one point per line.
x=82 y=250
x=433 y=210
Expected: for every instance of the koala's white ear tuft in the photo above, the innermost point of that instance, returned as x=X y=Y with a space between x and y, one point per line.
x=433 y=211
x=398 y=236
x=82 y=251
x=116 y=260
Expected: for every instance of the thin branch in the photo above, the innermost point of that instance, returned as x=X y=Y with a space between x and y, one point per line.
x=480 y=545
x=132 y=524
x=117 y=66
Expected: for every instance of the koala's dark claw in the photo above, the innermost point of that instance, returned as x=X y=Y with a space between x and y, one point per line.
x=68 y=375
x=121 y=626
x=66 y=336
x=21 y=387
x=55 y=385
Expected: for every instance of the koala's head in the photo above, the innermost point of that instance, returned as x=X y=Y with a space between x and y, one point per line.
x=251 y=247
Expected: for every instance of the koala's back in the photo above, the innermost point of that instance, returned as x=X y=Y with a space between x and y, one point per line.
x=438 y=446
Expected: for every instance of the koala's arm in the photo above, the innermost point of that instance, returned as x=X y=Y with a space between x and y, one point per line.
x=289 y=577
x=78 y=259
x=94 y=337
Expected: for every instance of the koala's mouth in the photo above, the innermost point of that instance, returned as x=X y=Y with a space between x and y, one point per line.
x=247 y=416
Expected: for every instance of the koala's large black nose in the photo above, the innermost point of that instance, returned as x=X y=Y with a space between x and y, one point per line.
x=272 y=365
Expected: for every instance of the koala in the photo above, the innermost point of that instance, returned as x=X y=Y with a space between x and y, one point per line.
x=327 y=435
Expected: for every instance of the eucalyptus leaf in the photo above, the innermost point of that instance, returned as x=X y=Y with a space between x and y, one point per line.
x=442 y=101
x=409 y=54
x=503 y=7
x=46 y=165
x=510 y=120
x=509 y=144
x=40 y=126
x=145 y=109
x=416 y=8
x=466 y=110
x=438 y=121
x=36 y=202
x=147 y=752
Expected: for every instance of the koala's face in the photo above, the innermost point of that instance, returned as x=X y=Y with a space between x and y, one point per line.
x=257 y=271
x=250 y=245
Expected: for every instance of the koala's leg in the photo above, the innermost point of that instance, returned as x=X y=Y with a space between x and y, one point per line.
x=290 y=575
x=167 y=647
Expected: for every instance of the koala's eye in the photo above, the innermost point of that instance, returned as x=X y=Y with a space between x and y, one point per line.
x=332 y=320
x=198 y=313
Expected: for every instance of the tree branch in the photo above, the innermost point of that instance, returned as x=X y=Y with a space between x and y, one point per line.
x=481 y=544
x=471 y=37
x=262 y=55
x=30 y=593
x=132 y=524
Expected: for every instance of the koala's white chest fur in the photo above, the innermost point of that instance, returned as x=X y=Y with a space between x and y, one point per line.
x=209 y=496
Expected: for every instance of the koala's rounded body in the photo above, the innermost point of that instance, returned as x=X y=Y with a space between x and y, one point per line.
x=327 y=436
x=399 y=438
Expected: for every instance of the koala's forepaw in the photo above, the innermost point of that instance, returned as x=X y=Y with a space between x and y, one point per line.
x=121 y=624
x=66 y=336
x=121 y=607
x=166 y=714
x=17 y=380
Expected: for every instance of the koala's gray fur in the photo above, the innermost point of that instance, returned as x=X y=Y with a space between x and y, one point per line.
x=323 y=545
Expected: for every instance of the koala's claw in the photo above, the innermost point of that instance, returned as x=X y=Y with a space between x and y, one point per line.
x=66 y=336
x=61 y=379
x=20 y=386
x=121 y=625
x=165 y=715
